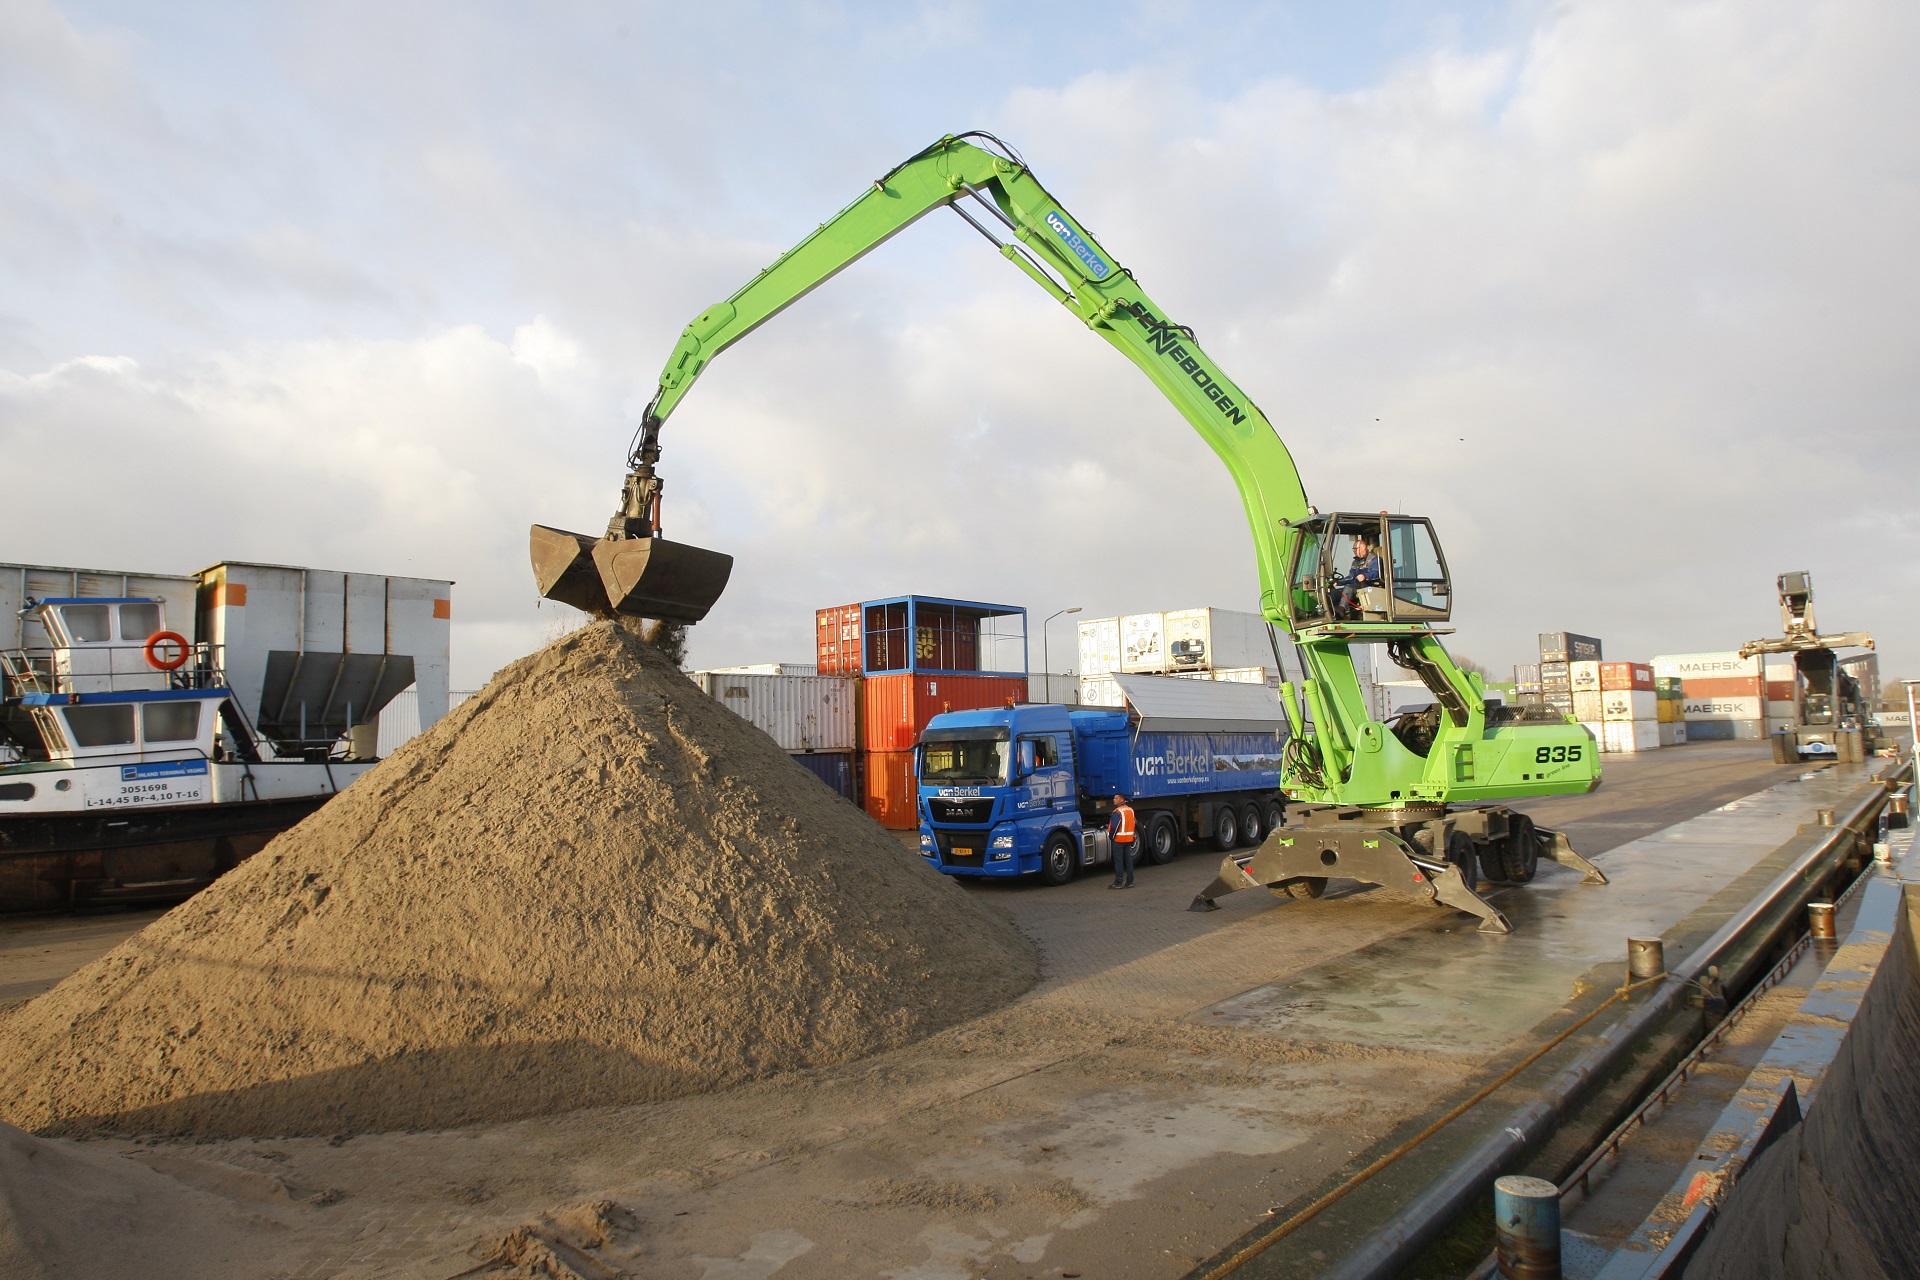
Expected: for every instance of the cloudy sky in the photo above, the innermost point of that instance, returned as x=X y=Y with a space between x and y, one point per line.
x=1621 y=293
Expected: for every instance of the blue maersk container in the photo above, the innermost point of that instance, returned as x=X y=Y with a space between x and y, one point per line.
x=1011 y=790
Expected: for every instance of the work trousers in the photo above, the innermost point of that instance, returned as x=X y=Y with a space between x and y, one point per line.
x=1123 y=851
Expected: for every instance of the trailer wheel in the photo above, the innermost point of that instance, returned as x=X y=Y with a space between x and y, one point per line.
x=1226 y=828
x=1304 y=887
x=1252 y=828
x=1163 y=842
x=1057 y=859
x=1520 y=851
x=1276 y=814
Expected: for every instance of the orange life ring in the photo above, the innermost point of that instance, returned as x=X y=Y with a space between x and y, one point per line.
x=152 y=650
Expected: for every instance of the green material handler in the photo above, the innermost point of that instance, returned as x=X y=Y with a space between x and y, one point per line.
x=1415 y=805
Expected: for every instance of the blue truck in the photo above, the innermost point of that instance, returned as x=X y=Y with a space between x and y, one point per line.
x=1011 y=791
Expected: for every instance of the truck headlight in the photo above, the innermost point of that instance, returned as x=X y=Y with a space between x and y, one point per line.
x=1003 y=842
x=926 y=841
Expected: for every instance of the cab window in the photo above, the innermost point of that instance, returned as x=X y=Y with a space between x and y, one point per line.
x=170 y=721
x=1420 y=587
x=107 y=725
x=86 y=623
x=1046 y=752
x=1306 y=602
x=138 y=621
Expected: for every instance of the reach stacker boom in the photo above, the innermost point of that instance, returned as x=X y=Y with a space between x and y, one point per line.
x=1416 y=805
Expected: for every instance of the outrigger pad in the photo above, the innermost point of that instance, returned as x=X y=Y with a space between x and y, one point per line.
x=563 y=570
x=1369 y=855
x=1558 y=849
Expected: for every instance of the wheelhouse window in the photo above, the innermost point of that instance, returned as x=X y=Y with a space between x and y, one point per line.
x=138 y=621
x=85 y=623
x=961 y=760
x=100 y=725
x=170 y=721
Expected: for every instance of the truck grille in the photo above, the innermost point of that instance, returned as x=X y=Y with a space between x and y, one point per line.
x=960 y=810
x=962 y=848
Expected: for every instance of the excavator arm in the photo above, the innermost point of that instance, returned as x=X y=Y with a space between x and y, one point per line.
x=995 y=192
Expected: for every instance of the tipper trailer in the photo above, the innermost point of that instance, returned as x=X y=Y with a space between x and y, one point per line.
x=1026 y=789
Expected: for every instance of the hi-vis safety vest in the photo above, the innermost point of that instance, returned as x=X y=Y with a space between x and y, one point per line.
x=1125 y=830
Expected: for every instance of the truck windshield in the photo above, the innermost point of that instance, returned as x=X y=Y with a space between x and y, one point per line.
x=972 y=760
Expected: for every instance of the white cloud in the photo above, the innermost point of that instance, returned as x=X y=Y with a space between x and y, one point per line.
x=1622 y=302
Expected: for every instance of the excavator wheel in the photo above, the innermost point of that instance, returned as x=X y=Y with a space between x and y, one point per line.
x=1520 y=851
x=1462 y=853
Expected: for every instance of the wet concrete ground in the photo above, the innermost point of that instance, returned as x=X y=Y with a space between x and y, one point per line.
x=1174 y=1077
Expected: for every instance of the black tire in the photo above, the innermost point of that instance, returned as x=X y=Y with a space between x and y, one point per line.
x=1059 y=860
x=1464 y=854
x=1520 y=851
x=1253 y=828
x=1493 y=860
x=1226 y=828
x=1163 y=840
x=1275 y=815
x=1305 y=887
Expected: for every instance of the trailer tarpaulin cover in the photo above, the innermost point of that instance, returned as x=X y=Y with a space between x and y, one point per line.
x=1170 y=705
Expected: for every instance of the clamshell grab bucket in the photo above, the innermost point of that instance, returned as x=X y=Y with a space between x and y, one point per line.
x=642 y=577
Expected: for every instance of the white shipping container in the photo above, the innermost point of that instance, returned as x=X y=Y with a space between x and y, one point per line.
x=800 y=713
x=1099 y=647
x=1588 y=706
x=1101 y=691
x=1721 y=709
x=1143 y=643
x=1777 y=667
x=1706 y=666
x=22 y=582
x=1584 y=677
x=1627 y=736
x=1215 y=639
x=1673 y=735
x=771 y=669
x=1628 y=704
x=1781 y=710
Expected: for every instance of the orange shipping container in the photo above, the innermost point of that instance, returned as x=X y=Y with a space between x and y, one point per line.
x=1722 y=687
x=1625 y=675
x=892 y=797
x=895 y=708
x=837 y=645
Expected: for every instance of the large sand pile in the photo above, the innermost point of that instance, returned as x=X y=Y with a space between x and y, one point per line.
x=590 y=884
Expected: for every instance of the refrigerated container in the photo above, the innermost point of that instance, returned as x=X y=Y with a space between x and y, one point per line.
x=1629 y=704
x=1583 y=677
x=1624 y=737
x=1587 y=706
x=1143 y=643
x=1212 y=639
x=1099 y=647
x=1673 y=735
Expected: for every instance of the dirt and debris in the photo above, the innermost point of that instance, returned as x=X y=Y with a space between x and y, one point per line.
x=587 y=885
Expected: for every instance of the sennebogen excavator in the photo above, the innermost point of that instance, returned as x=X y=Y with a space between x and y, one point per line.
x=1413 y=805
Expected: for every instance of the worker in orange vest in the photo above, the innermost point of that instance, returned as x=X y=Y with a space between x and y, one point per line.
x=1121 y=830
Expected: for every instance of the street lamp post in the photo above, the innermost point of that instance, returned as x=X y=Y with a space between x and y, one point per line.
x=1046 y=650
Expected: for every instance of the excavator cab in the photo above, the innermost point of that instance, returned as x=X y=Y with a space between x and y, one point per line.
x=1414 y=584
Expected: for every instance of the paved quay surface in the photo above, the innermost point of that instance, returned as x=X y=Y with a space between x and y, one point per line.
x=1173 y=1078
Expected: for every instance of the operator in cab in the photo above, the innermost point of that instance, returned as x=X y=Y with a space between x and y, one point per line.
x=1363 y=572
x=1122 y=828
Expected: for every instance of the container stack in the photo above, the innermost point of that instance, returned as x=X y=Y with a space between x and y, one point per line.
x=1667 y=713
x=1527 y=691
x=915 y=657
x=1629 y=708
x=1782 y=711
x=1558 y=651
x=1199 y=644
x=1722 y=695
